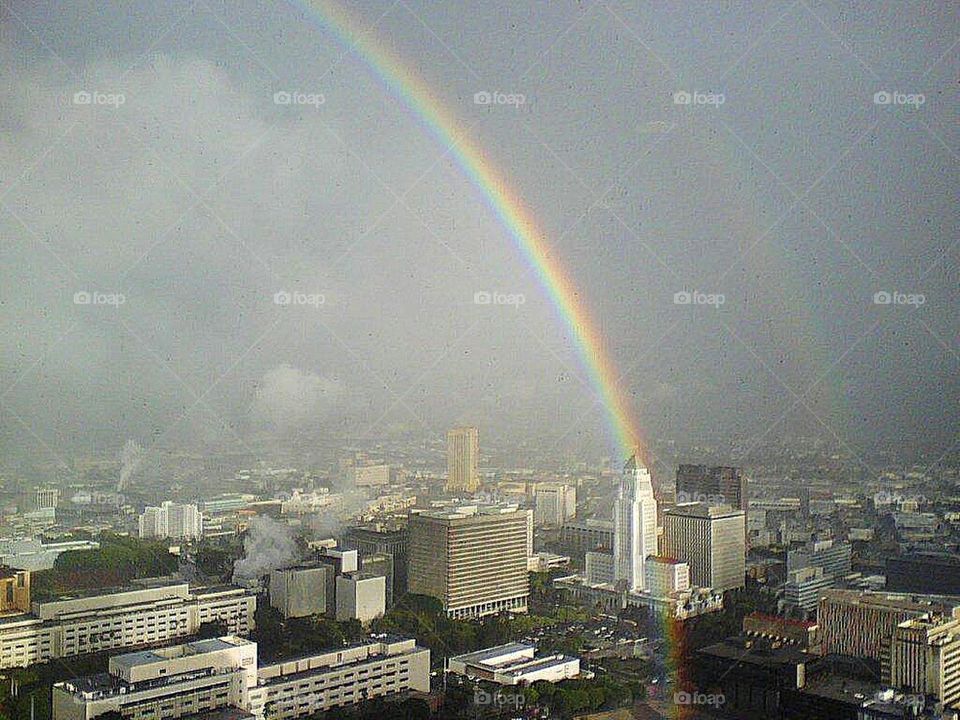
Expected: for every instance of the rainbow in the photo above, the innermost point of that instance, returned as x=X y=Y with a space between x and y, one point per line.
x=506 y=205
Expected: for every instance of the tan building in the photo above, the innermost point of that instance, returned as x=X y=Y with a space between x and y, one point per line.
x=472 y=558
x=463 y=458
x=861 y=623
x=925 y=658
x=711 y=540
x=14 y=590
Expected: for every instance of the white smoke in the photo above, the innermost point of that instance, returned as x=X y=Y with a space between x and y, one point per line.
x=130 y=458
x=268 y=545
x=289 y=397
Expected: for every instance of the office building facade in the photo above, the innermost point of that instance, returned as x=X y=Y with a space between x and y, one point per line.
x=463 y=458
x=472 y=558
x=712 y=540
x=555 y=504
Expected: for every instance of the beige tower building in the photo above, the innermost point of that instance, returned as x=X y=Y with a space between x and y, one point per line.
x=711 y=540
x=472 y=558
x=925 y=658
x=463 y=456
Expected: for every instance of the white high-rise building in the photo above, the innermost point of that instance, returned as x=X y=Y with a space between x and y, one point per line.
x=171 y=520
x=634 y=525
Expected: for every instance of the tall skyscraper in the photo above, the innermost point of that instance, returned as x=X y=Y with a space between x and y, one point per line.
x=463 y=456
x=634 y=525
x=711 y=539
x=716 y=485
x=473 y=559
x=555 y=504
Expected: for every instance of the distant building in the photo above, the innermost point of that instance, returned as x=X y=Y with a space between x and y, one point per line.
x=463 y=459
x=360 y=596
x=372 y=475
x=371 y=541
x=198 y=678
x=716 y=485
x=834 y=556
x=472 y=558
x=555 y=504
x=711 y=540
x=803 y=633
x=300 y=591
x=514 y=664
x=861 y=624
x=14 y=590
x=937 y=573
x=171 y=520
x=666 y=575
x=804 y=586
x=33 y=554
x=546 y=561
x=581 y=536
x=599 y=568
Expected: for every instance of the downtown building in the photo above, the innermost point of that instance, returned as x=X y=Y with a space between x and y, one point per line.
x=149 y=613
x=555 y=503
x=925 y=658
x=711 y=539
x=171 y=520
x=222 y=674
x=717 y=485
x=634 y=526
x=472 y=558
x=463 y=460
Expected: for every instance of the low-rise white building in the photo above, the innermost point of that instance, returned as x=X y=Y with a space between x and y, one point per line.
x=360 y=596
x=221 y=673
x=514 y=664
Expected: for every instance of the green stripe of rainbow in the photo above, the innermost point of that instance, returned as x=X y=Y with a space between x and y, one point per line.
x=508 y=208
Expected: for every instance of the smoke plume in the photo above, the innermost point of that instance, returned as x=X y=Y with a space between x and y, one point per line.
x=268 y=545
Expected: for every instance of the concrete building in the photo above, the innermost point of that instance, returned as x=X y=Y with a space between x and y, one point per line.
x=300 y=591
x=634 y=525
x=223 y=674
x=599 y=568
x=862 y=624
x=582 y=536
x=373 y=541
x=834 y=556
x=339 y=561
x=805 y=634
x=380 y=564
x=14 y=590
x=32 y=554
x=712 y=485
x=513 y=664
x=472 y=558
x=927 y=572
x=925 y=658
x=666 y=575
x=149 y=613
x=372 y=475
x=712 y=540
x=804 y=586
x=555 y=504
x=463 y=459
x=360 y=597
x=171 y=520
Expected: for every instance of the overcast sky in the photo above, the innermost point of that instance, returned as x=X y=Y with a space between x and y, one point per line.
x=787 y=185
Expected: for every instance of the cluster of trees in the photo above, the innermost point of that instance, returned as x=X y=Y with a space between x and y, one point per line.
x=569 y=697
x=119 y=560
x=277 y=638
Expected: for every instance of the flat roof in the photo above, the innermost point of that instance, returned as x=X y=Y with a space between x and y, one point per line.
x=482 y=656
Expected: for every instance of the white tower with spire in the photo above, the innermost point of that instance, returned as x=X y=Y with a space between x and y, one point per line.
x=634 y=525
